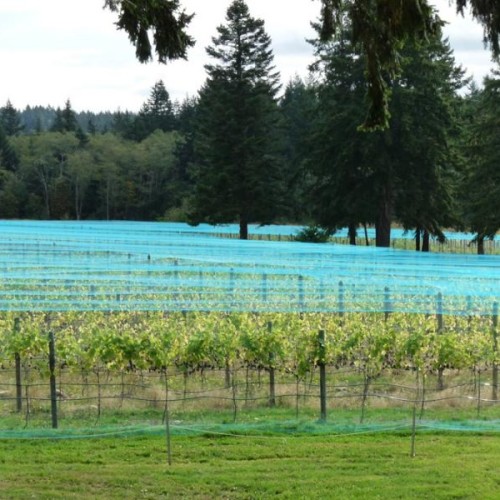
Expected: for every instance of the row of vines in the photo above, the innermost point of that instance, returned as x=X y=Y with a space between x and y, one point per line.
x=196 y=340
x=292 y=344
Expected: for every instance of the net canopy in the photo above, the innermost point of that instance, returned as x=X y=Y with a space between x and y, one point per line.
x=108 y=266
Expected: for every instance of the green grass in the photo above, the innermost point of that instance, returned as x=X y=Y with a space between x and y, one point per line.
x=301 y=466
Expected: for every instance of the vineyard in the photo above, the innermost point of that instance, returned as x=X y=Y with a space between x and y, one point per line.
x=228 y=365
x=130 y=323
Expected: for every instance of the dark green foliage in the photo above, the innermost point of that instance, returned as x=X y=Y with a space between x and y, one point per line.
x=13 y=196
x=297 y=107
x=124 y=124
x=91 y=128
x=380 y=29
x=10 y=119
x=160 y=19
x=481 y=188
x=344 y=192
x=8 y=157
x=487 y=13
x=313 y=234
x=406 y=170
x=82 y=137
x=100 y=176
x=424 y=103
x=157 y=113
x=182 y=182
x=238 y=143
x=65 y=119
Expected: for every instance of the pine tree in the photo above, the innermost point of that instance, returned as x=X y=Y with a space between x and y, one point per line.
x=481 y=188
x=238 y=175
x=405 y=172
x=379 y=28
x=65 y=119
x=297 y=107
x=10 y=119
x=8 y=157
x=157 y=113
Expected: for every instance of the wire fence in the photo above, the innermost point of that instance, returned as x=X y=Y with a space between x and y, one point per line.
x=241 y=395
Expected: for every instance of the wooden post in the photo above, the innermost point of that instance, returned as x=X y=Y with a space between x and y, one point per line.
x=19 y=387
x=469 y=310
x=439 y=318
x=340 y=304
x=52 y=368
x=231 y=286
x=494 y=382
x=322 y=373
x=167 y=421
x=272 y=386
x=439 y=313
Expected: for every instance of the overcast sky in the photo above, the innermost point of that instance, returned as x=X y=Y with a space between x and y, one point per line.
x=54 y=50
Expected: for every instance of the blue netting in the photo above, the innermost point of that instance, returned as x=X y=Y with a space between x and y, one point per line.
x=57 y=266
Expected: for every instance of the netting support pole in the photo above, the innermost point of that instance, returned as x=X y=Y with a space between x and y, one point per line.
x=322 y=373
x=494 y=382
x=52 y=370
x=272 y=386
x=387 y=303
x=301 y=293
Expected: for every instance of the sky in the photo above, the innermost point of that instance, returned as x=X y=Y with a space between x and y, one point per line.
x=55 y=50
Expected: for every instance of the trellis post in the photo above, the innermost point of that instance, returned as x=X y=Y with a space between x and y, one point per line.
x=322 y=373
x=52 y=370
x=494 y=382
x=19 y=387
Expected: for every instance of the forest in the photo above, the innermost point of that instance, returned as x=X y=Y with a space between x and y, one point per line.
x=248 y=149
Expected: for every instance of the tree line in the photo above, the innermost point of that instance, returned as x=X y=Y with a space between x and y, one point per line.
x=246 y=150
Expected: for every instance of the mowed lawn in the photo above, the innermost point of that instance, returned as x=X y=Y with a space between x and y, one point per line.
x=279 y=466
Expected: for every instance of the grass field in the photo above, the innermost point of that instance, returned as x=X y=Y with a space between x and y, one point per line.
x=448 y=466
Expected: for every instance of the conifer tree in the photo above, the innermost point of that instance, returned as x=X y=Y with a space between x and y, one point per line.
x=65 y=119
x=8 y=157
x=481 y=188
x=157 y=113
x=238 y=141
x=403 y=173
x=10 y=119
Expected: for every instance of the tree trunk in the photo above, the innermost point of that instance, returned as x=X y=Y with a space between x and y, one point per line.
x=426 y=241
x=243 y=228
x=383 y=224
x=417 y=239
x=367 y=241
x=480 y=245
x=352 y=234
